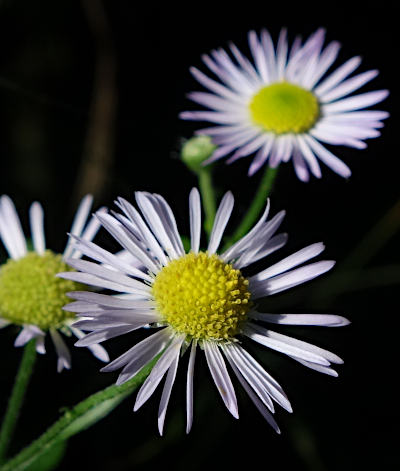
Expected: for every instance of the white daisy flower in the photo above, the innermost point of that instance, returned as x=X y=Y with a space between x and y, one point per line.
x=196 y=299
x=31 y=296
x=283 y=105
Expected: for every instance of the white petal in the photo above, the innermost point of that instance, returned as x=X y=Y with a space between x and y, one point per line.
x=348 y=86
x=243 y=79
x=300 y=349
x=300 y=166
x=221 y=220
x=213 y=85
x=64 y=357
x=236 y=248
x=220 y=376
x=93 y=280
x=111 y=275
x=269 y=383
x=40 y=347
x=168 y=219
x=281 y=54
x=140 y=354
x=356 y=102
x=169 y=382
x=276 y=243
x=269 y=52
x=321 y=369
x=118 y=232
x=262 y=336
x=261 y=157
x=328 y=158
x=326 y=320
x=108 y=319
x=79 y=221
x=123 y=261
x=327 y=58
x=37 y=230
x=258 y=55
x=260 y=406
x=97 y=350
x=154 y=220
x=260 y=241
x=158 y=371
x=107 y=300
x=189 y=387
x=195 y=219
x=252 y=380
x=292 y=261
x=144 y=231
x=254 y=145
x=338 y=75
x=253 y=77
x=89 y=232
x=309 y=156
x=106 y=334
x=290 y=279
x=28 y=333
x=4 y=323
x=10 y=229
x=213 y=101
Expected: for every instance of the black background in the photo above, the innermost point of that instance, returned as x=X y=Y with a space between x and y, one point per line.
x=47 y=72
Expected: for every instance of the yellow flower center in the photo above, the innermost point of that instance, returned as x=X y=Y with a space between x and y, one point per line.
x=30 y=293
x=284 y=108
x=202 y=296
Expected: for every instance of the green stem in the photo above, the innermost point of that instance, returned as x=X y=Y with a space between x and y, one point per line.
x=17 y=397
x=256 y=206
x=208 y=196
x=80 y=417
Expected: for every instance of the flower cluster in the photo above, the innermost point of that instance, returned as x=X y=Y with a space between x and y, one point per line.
x=286 y=103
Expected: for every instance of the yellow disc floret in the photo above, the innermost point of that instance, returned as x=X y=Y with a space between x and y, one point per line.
x=202 y=296
x=284 y=108
x=30 y=293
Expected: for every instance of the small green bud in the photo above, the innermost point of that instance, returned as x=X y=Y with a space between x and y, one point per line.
x=196 y=150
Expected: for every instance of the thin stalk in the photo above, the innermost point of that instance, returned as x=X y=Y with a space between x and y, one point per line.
x=258 y=203
x=17 y=397
x=208 y=197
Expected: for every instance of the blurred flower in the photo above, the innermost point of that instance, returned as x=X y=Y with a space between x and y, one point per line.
x=198 y=298
x=31 y=295
x=279 y=108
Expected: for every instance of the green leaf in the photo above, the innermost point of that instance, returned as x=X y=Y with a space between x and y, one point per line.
x=93 y=415
x=50 y=459
x=80 y=417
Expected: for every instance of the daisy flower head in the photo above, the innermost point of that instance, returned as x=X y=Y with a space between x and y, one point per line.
x=31 y=296
x=196 y=299
x=286 y=104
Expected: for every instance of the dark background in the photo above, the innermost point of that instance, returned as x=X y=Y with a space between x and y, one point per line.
x=89 y=98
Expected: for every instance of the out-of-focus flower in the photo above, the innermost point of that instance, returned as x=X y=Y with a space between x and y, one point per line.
x=283 y=105
x=31 y=296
